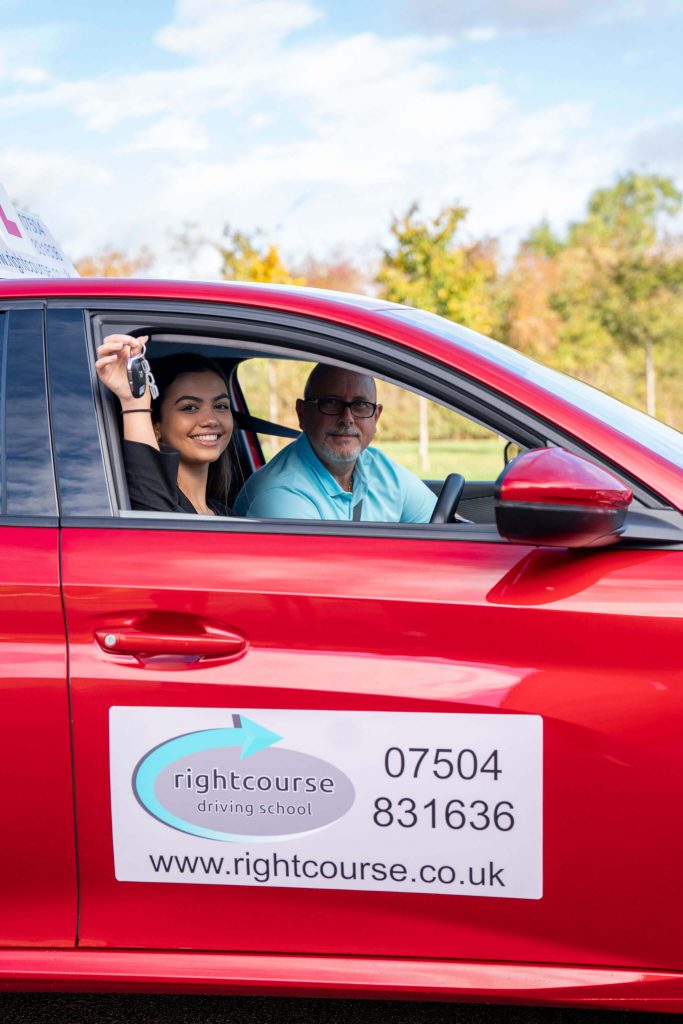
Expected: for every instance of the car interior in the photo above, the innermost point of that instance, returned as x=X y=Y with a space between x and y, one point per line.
x=258 y=434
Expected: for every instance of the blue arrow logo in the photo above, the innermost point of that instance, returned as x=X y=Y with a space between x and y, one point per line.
x=246 y=734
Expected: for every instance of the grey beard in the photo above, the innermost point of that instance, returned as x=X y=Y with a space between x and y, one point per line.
x=330 y=455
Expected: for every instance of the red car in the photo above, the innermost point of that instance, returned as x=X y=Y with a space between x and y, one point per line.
x=434 y=760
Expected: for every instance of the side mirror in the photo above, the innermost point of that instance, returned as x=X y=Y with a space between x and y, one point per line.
x=547 y=496
x=511 y=451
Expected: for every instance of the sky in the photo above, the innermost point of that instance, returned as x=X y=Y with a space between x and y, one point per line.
x=318 y=121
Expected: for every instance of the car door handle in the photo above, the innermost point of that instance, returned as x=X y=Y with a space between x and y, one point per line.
x=217 y=644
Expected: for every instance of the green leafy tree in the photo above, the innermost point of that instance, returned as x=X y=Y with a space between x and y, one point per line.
x=605 y=302
x=623 y=276
x=429 y=267
x=245 y=258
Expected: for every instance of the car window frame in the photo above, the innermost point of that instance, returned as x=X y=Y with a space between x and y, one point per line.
x=277 y=333
x=274 y=348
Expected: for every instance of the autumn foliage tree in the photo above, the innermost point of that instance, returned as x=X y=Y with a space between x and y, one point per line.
x=602 y=302
x=115 y=263
x=245 y=258
x=336 y=272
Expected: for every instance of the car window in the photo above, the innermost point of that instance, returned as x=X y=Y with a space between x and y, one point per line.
x=27 y=482
x=423 y=436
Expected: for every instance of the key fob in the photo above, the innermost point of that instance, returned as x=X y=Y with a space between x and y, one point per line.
x=137 y=375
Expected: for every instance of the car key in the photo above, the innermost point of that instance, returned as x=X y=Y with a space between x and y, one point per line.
x=139 y=375
x=137 y=378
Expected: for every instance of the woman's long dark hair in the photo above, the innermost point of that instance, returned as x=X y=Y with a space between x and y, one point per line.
x=165 y=371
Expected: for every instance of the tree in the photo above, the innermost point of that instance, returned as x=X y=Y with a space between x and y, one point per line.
x=532 y=325
x=337 y=272
x=244 y=259
x=622 y=272
x=114 y=263
x=628 y=215
x=605 y=302
x=428 y=267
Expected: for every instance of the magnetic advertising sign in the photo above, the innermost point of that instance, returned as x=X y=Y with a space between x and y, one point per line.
x=386 y=801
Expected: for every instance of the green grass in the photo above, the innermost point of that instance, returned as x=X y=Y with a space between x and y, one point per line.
x=476 y=460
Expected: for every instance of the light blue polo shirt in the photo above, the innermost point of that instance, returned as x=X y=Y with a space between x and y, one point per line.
x=296 y=485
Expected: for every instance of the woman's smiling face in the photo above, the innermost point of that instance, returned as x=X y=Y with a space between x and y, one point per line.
x=196 y=417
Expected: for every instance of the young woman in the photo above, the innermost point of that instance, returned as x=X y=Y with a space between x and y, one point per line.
x=175 y=447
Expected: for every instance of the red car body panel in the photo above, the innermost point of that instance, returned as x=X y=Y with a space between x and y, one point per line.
x=589 y=640
x=401 y=636
x=580 y=482
x=341 y=977
x=38 y=894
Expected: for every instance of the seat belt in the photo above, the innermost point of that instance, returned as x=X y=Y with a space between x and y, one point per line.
x=357 y=510
x=246 y=422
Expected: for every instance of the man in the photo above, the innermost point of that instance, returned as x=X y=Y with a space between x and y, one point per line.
x=329 y=472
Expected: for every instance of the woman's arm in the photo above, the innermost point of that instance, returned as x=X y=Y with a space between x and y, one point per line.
x=111 y=367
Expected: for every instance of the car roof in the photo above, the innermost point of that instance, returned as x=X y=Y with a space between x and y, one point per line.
x=287 y=296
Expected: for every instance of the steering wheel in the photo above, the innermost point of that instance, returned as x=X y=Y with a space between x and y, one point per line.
x=448 y=499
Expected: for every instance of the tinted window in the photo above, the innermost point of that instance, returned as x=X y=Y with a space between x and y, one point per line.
x=28 y=478
x=82 y=483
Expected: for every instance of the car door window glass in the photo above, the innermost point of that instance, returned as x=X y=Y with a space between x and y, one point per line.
x=264 y=390
x=82 y=480
x=28 y=477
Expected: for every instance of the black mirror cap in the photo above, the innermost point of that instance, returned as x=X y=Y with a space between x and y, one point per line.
x=553 y=526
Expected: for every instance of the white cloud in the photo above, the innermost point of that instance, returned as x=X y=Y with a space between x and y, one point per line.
x=179 y=135
x=657 y=143
x=46 y=174
x=29 y=50
x=259 y=120
x=66 y=191
x=481 y=34
x=225 y=29
x=31 y=76
x=457 y=16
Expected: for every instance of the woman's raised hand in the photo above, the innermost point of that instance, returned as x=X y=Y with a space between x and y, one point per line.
x=112 y=367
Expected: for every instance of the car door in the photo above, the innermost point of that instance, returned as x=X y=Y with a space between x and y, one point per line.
x=37 y=853
x=505 y=716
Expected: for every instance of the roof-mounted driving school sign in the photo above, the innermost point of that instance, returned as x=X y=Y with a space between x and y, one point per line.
x=27 y=249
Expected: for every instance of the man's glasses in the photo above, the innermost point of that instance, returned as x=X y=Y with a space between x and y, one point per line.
x=360 y=409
